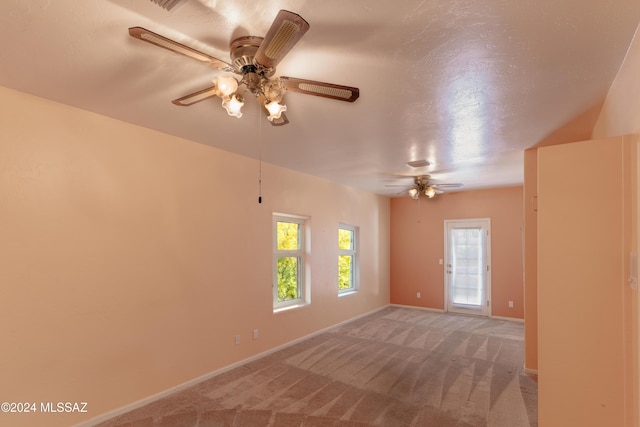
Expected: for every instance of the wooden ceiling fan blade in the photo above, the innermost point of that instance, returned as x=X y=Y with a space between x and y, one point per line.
x=453 y=185
x=168 y=4
x=195 y=97
x=166 y=43
x=285 y=31
x=326 y=90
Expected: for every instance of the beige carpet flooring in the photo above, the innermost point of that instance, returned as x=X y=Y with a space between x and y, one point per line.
x=396 y=367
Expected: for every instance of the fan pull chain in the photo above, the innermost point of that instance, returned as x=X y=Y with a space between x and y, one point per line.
x=260 y=184
x=259 y=159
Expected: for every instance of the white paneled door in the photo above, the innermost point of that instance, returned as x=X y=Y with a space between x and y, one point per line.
x=467 y=266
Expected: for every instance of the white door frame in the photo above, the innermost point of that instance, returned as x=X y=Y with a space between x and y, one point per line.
x=486 y=310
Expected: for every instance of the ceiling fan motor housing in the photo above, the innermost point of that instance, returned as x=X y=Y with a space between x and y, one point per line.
x=422 y=181
x=243 y=50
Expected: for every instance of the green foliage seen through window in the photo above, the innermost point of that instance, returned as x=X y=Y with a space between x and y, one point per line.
x=288 y=280
x=345 y=262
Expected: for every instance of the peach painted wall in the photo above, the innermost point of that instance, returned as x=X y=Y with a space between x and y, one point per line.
x=130 y=259
x=417 y=244
x=620 y=115
x=530 y=260
x=584 y=311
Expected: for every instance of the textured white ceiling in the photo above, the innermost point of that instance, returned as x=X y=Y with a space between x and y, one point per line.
x=465 y=84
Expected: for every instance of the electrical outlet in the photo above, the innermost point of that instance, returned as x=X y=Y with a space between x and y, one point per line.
x=255 y=334
x=237 y=339
x=418 y=295
x=510 y=304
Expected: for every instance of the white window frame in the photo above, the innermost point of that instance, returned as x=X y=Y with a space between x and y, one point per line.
x=300 y=253
x=354 y=253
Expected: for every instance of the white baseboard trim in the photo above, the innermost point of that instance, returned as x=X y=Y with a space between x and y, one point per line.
x=439 y=310
x=435 y=310
x=142 y=402
x=530 y=371
x=511 y=319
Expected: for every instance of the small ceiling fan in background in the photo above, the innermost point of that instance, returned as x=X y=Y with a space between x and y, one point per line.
x=423 y=185
x=254 y=58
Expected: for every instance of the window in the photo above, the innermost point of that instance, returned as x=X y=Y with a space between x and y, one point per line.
x=289 y=284
x=347 y=259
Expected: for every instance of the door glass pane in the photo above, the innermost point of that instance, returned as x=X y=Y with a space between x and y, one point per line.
x=466 y=266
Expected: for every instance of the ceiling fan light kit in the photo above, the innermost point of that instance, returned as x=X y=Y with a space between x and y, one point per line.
x=233 y=105
x=226 y=86
x=275 y=110
x=423 y=185
x=255 y=59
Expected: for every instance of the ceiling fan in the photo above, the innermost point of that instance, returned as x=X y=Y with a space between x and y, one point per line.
x=423 y=185
x=254 y=59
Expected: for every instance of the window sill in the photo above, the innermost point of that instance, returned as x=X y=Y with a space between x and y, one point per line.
x=347 y=293
x=290 y=307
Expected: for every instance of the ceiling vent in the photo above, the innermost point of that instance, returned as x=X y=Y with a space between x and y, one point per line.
x=167 y=4
x=419 y=163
